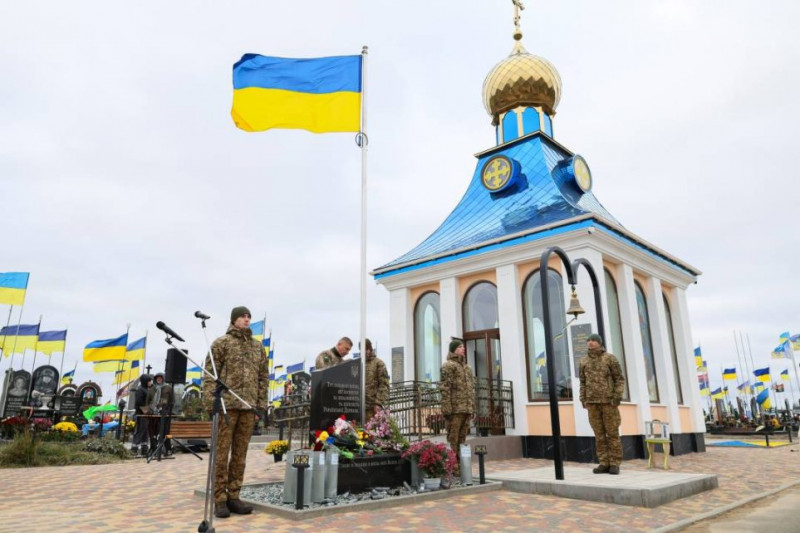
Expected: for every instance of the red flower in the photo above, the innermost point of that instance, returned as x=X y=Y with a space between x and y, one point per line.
x=343 y=418
x=317 y=433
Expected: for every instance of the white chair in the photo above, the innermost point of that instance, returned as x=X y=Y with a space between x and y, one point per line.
x=657 y=432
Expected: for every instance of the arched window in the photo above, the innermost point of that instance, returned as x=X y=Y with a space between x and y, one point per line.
x=480 y=307
x=530 y=121
x=428 y=338
x=671 y=335
x=616 y=346
x=535 y=339
x=510 y=128
x=548 y=125
x=647 y=343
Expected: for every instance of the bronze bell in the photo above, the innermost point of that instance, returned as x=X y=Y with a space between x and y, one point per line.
x=575 y=308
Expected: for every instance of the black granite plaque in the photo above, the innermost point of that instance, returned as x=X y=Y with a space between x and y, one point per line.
x=45 y=385
x=336 y=391
x=579 y=334
x=398 y=362
x=17 y=394
x=362 y=473
x=89 y=393
x=68 y=405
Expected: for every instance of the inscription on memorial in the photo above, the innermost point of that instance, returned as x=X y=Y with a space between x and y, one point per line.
x=398 y=361
x=336 y=391
x=17 y=394
x=579 y=334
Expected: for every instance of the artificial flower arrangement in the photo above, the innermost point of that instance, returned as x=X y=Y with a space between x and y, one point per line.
x=277 y=447
x=385 y=433
x=345 y=437
x=434 y=460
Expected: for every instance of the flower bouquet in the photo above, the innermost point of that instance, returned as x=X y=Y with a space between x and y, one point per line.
x=434 y=460
x=384 y=432
x=277 y=448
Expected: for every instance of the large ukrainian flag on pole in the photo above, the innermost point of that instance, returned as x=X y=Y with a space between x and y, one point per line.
x=12 y=287
x=321 y=95
x=105 y=350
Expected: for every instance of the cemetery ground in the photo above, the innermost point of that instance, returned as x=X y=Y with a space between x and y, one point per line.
x=133 y=496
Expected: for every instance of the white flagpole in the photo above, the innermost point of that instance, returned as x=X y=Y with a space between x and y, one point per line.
x=363 y=141
x=794 y=365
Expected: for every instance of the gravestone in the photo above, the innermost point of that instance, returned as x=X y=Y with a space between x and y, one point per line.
x=89 y=394
x=43 y=392
x=336 y=391
x=17 y=393
x=68 y=403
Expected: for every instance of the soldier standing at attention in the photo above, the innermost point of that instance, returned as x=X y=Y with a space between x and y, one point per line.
x=333 y=356
x=242 y=365
x=458 y=394
x=602 y=386
x=377 y=380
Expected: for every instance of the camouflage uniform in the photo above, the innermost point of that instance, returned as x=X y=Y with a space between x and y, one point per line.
x=602 y=386
x=242 y=365
x=458 y=398
x=327 y=359
x=377 y=384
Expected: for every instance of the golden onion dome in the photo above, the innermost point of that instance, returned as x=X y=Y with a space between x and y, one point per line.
x=521 y=79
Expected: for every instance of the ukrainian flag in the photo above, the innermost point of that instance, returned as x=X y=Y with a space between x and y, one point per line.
x=321 y=95
x=194 y=373
x=794 y=342
x=65 y=379
x=18 y=338
x=785 y=336
x=698 y=357
x=12 y=287
x=762 y=374
x=729 y=373
x=780 y=351
x=123 y=376
x=785 y=375
x=763 y=399
x=717 y=393
x=52 y=341
x=135 y=350
x=105 y=350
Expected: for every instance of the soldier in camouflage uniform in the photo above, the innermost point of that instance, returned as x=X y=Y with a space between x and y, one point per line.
x=377 y=382
x=602 y=386
x=458 y=394
x=333 y=356
x=242 y=365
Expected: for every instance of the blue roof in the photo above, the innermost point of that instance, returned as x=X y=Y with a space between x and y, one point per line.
x=544 y=194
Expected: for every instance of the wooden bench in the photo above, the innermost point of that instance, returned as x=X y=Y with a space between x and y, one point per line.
x=190 y=429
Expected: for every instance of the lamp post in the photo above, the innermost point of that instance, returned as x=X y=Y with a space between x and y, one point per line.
x=575 y=309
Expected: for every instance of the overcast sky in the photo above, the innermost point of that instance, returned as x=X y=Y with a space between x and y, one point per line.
x=130 y=196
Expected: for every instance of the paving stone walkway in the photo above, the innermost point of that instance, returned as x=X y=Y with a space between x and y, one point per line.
x=137 y=497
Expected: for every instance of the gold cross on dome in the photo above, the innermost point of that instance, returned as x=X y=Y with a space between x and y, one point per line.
x=517 y=8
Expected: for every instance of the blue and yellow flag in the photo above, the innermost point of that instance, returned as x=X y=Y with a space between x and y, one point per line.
x=12 y=287
x=106 y=349
x=780 y=351
x=68 y=377
x=51 y=342
x=763 y=399
x=698 y=357
x=729 y=373
x=785 y=375
x=135 y=350
x=18 y=338
x=257 y=328
x=703 y=368
x=297 y=367
x=321 y=95
x=745 y=387
x=194 y=373
x=762 y=374
x=124 y=376
x=717 y=393
x=794 y=342
x=784 y=337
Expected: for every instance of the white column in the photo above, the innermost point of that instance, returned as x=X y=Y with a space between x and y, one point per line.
x=632 y=338
x=450 y=312
x=512 y=343
x=401 y=331
x=586 y=297
x=685 y=348
x=662 y=351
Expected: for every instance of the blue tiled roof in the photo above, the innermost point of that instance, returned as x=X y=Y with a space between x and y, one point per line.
x=544 y=194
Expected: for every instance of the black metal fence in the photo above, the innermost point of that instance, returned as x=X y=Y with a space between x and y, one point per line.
x=417 y=407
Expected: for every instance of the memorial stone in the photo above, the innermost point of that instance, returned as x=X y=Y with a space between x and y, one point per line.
x=336 y=391
x=17 y=393
x=43 y=392
x=68 y=403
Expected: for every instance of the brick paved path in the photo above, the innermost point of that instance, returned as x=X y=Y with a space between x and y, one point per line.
x=158 y=497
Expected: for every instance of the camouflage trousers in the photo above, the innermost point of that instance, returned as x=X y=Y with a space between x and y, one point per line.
x=605 y=420
x=232 y=442
x=457 y=429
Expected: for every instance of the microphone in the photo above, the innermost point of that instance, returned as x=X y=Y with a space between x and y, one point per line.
x=201 y=315
x=166 y=329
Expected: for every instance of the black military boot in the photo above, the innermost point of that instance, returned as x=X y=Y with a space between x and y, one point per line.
x=221 y=510
x=601 y=469
x=613 y=470
x=239 y=507
x=144 y=449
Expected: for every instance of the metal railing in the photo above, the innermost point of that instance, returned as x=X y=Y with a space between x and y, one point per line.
x=417 y=407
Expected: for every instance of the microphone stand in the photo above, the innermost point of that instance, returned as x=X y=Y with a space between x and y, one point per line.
x=207 y=525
